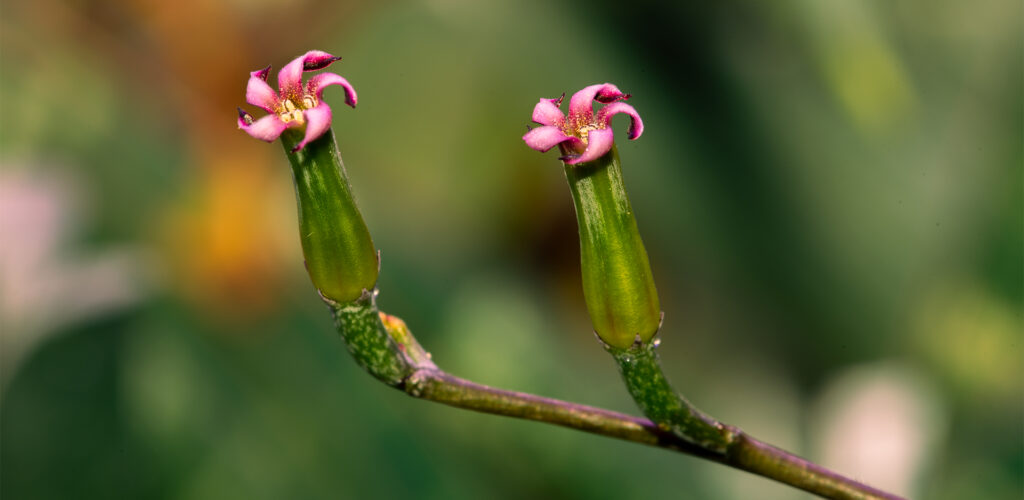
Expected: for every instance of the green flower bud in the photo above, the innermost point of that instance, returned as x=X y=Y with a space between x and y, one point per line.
x=340 y=256
x=617 y=281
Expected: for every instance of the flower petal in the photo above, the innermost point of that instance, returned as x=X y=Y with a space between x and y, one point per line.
x=317 y=83
x=636 y=126
x=258 y=93
x=318 y=120
x=545 y=138
x=546 y=112
x=289 y=79
x=599 y=142
x=261 y=73
x=268 y=128
x=244 y=118
x=581 y=103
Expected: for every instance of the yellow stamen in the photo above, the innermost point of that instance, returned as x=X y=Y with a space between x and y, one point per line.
x=581 y=129
x=290 y=116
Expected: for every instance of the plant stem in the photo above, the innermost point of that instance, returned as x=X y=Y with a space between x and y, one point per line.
x=650 y=388
x=749 y=454
x=441 y=387
x=384 y=346
x=652 y=392
x=368 y=341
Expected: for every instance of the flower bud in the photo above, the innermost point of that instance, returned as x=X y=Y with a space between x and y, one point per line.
x=617 y=281
x=340 y=256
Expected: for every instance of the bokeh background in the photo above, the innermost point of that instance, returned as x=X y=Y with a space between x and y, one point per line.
x=831 y=194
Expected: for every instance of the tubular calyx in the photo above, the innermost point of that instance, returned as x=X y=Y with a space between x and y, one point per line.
x=617 y=282
x=340 y=256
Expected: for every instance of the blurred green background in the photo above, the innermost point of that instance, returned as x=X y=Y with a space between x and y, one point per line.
x=830 y=192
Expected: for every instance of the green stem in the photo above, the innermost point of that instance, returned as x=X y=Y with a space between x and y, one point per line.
x=342 y=263
x=438 y=386
x=650 y=388
x=751 y=455
x=652 y=392
x=623 y=304
x=385 y=347
x=369 y=342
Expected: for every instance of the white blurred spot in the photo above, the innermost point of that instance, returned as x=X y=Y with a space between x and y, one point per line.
x=43 y=285
x=879 y=423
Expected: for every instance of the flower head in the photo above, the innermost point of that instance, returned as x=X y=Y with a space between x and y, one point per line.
x=583 y=135
x=294 y=105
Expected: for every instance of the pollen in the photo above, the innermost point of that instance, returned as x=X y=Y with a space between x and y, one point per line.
x=291 y=116
x=583 y=130
x=308 y=101
x=288 y=112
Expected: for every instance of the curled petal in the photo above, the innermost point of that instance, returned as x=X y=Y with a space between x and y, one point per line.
x=258 y=93
x=546 y=112
x=317 y=59
x=318 y=120
x=289 y=79
x=317 y=83
x=599 y=142
x=581 y=103
x=545 y=138
x=244 y=118
x=268 y=128
x=636 y=126
x=261 y=73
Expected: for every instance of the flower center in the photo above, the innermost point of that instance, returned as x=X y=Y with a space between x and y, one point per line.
x=288 y=111
x=581 y=128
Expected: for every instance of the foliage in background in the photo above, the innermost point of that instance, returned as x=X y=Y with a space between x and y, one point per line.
x=831 y=194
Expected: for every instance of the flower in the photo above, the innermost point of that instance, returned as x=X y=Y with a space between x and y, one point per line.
x=293 y=105
x=583 y=136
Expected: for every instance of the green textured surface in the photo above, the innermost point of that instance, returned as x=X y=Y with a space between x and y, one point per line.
x=340 y=256
x=651 y=390
x=617 y=282
x=368 y=341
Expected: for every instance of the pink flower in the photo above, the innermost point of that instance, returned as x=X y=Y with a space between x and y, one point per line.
x=293 y=105
x=583 y=136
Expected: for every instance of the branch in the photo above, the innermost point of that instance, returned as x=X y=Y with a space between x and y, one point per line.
x=650 y=388
x=745 y=452
x=383 y=345
x=436 y=385
x=344 y=266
